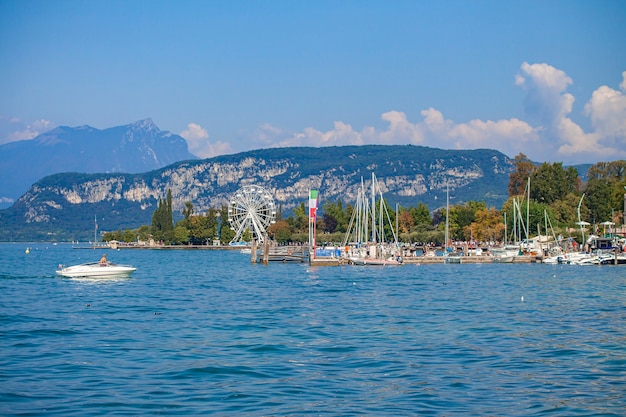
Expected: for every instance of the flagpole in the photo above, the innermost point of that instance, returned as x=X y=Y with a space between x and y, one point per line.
x=314 y=234
x=313 y=219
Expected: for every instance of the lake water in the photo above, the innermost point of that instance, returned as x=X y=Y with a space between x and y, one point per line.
x=208 y=333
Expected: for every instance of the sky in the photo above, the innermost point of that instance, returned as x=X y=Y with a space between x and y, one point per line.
x=543 y=78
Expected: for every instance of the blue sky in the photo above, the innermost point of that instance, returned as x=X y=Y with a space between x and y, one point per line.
x=546 y=78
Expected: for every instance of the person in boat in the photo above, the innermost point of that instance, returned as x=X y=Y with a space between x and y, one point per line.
x=103 y=260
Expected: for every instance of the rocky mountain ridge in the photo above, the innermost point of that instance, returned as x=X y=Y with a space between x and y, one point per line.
x=63 y=206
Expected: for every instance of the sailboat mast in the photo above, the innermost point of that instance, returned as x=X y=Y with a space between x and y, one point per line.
x=447 y=217
x=505 y=227
x=528 y=211
x=580 y=223
x=373 y=209
x=363 y=204
x=397 y=230
x=95 y=230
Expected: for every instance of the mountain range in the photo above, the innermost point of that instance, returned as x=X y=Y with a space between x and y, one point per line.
x=62 y=207
x=133 y=148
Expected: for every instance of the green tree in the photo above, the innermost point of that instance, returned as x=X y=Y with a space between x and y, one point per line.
x=461 y=218
x=550 y=182
x=605 y=189
x=144 y=233
x=524 y=168
x=181 y=235
x=329 y=223
x=129 y=236
x=334 y=217
x=188 y=210
x=301 y=219
x=420 y=214
x=158 y=221
x=199 y=231
x=162 y=221
x=405 y=221
x=169 y=220
x=224 y=232
x=487 y=225
x=564 y=211
x=280 y=231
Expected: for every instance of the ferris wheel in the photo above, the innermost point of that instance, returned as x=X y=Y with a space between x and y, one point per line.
x=251 y=208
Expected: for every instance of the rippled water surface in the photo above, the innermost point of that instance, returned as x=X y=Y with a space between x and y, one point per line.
x=207 y=333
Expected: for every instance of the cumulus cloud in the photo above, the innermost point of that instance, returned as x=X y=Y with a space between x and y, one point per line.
x=546 y=101
x=400 y=129
x=13 y=129
x=548 y=104
x=199 y=144
x=607 y=110
x=510 y=136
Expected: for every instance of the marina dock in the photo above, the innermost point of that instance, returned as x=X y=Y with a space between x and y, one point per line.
x=427 y=260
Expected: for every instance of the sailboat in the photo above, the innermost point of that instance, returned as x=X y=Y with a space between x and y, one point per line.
x=365 y=240
x=519 y=246
x=507 y=252
x=94 y=244
x=450 y=257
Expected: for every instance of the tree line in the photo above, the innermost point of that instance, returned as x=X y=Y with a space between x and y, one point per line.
x=554 y=195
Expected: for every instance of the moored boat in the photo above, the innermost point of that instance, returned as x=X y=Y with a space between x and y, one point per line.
x=367 y=224
x=453 y=258
x=375 y=261
x=504 y=259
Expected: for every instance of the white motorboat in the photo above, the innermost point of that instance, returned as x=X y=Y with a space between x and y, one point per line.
x=95 y=270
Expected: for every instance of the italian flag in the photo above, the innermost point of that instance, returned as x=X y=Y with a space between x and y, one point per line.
x=312 y=204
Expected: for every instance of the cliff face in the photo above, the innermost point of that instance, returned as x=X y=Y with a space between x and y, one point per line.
x=63 y=206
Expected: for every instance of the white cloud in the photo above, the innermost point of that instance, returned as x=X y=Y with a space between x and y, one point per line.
x=199 y=144
x=607 y=109
x=548 y=104
x=510 y=136
x=341 y=134
x=13 y=129
x=578 y=142
x=546 y=101
x=400 y=130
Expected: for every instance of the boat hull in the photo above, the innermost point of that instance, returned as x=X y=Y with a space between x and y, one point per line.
x=504 y=259
x=96 y=270
x=374 y=262
x=454 y=259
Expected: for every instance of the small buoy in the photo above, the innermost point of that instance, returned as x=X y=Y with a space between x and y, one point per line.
x=27 y=251
x=522 y=298
x=353 y=283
